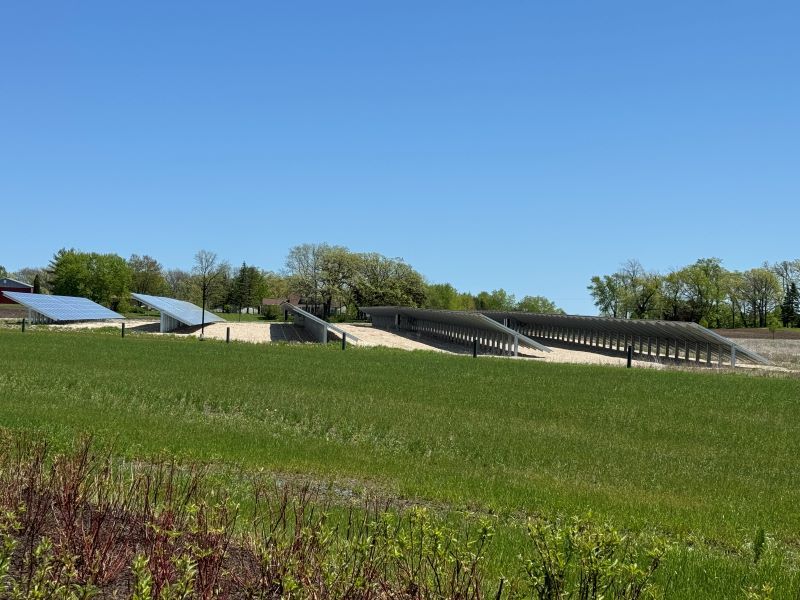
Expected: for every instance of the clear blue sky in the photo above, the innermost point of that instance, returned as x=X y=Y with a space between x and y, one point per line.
x=525 y=145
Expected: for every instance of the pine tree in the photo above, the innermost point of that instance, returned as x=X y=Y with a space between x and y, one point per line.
x=37 y=285
x=790 y=307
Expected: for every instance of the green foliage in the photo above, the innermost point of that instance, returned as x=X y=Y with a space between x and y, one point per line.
x=758 y=544
x=608 y=294
x=147 y=275
x=3 y=272
x=142 y=579
x=495 y=300
x=703 y=292
x=104 y=278
x=37 y=284
x=168 y=530
x=538 y=304
x=445 y=296
x=247 y=288
x=578 y=559
x=790 y=307
x=322 y=274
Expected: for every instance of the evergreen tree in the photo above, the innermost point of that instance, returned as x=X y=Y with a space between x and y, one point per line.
x=790 y=307
x=37 y=285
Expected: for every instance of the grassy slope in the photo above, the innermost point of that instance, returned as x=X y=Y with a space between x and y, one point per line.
x=714 y=455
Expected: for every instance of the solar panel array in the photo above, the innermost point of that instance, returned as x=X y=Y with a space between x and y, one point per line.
x=63 y=308
x=185 y=312
x=690 y=337
x=417 y=319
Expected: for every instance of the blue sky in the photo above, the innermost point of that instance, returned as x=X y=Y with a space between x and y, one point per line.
x=524 y=145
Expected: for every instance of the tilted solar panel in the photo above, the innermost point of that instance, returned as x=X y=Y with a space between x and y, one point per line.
x=63 y=308
x=180 y=310
x=321 y=324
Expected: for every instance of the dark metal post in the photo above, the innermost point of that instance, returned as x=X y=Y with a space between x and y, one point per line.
x=285 y=315
x=23 y=325
x=123 y=329
x=344 y=340
x=474 y=347
x=630 y=356
x=227 y=335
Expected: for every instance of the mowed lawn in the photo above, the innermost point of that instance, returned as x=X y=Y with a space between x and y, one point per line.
x=707 y=454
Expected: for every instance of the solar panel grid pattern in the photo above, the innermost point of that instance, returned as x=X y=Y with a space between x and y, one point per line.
x=684 y=331
x=467 y=319
x=187 y=313
x=64 y=308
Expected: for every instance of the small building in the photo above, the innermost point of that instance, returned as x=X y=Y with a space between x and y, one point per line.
x=12 y=285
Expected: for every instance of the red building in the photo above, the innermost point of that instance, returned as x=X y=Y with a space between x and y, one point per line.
x=12 y=285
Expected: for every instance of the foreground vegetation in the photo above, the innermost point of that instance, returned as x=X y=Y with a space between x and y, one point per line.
x=707 y=461
x=80 y=525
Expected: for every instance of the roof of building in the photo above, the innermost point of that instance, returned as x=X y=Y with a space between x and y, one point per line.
x=293 y=299
x=14 y=283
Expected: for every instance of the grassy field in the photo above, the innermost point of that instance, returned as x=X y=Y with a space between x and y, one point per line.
x=704 y=459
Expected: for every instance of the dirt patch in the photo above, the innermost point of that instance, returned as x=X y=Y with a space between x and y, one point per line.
x=253 y=332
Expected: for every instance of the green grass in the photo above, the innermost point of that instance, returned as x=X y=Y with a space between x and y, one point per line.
x=695 y=456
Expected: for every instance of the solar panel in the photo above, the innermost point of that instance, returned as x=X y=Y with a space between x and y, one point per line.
x=63 y=308
x=184 y=312
x=319 y=326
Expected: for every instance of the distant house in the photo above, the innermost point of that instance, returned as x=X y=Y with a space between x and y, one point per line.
x=12 y=285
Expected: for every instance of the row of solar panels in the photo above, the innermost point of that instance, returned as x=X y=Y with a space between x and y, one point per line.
x=71 y=308
x=528 y=325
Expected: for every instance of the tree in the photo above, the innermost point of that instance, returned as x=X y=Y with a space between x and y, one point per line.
x=37 y=284
x=382 y=281
x=608 y=292
x=336 y=274
x=208 y=273
x=789 y=306
x=248 y=287
x=672 y=290
x=148 y=275
x=539 y=304
x=788 y=272
x=495 y=300
x=3 y=272
x=760 y=292
x=110 y=281
x=179 y=284
x=70 y=273
x=104 y=278
x=304 y=264
x=446 y=297
x=705 y=290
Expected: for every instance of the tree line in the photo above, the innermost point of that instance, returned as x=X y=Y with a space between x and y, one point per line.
x=331 y=279
x=703 y=292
